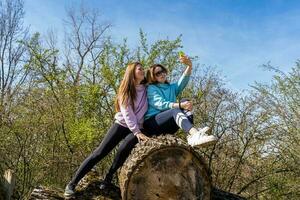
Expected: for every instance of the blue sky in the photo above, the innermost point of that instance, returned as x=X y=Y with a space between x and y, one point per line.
x=235 y=36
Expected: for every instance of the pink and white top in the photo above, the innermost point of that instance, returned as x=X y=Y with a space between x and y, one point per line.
x=133 y=118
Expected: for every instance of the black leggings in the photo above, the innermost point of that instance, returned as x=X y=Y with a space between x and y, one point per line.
x=115 y=134
x=169 y=121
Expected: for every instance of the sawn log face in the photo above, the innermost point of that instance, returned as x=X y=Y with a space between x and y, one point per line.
x=164 y=168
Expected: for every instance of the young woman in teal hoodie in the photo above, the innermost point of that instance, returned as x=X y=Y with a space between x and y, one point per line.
x=164 y=114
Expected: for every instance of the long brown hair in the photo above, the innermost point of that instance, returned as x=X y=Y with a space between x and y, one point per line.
x=150 y=76
x=127 y=92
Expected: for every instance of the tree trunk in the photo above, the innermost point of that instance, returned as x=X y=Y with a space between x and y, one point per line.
x=164 y=168
x=8 y=184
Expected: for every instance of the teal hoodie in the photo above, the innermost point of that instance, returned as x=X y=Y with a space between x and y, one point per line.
x=161 y=96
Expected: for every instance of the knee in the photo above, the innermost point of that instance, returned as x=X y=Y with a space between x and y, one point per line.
x=188 y=113
x=184 y=100
x=99 y=153
x=176 y=110
x=93 y=159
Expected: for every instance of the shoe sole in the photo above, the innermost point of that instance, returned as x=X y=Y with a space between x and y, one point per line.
x=69 y=196
x=208 y=143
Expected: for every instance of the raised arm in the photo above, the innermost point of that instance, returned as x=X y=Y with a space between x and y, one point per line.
x=184 y=79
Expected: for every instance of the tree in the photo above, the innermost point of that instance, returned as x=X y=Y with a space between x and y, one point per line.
x=280 y=100
x=12 y=78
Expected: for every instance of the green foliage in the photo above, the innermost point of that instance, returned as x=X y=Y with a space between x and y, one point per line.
x=280 y=100
x=82 y=132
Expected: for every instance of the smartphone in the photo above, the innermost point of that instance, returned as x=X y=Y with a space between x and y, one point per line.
x=181 y=53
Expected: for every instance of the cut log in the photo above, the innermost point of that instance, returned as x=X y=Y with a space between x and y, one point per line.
x=164 y=168
x=92 y=192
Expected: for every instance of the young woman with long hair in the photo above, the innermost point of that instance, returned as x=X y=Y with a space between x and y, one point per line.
x=131 y=105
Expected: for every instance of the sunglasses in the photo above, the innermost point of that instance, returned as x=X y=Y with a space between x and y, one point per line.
x=159 y=73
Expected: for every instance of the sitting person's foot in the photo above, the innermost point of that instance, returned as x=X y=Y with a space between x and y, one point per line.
x=69 y=190
x=105 y=183
x=200 y=138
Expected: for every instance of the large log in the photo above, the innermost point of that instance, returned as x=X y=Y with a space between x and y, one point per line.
x=88 y=189
x=164 y=168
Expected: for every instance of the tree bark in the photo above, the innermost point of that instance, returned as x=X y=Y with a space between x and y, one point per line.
x=164 y=168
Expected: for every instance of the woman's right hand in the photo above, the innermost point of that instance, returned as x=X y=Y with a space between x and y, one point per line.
x=142 y=137
x=185 y=60
x=187 y=105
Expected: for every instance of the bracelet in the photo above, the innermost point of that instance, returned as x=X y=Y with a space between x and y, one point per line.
x=179 y=104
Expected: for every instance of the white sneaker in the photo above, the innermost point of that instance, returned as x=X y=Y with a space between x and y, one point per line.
x=69 y=191
x=201 y=139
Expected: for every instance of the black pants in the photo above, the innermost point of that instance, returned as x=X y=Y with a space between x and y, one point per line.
x=169 y=121
x=115 y=134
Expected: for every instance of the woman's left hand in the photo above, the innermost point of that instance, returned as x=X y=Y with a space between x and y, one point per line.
x=185 y=60
x=187 y=105
x=142 y=137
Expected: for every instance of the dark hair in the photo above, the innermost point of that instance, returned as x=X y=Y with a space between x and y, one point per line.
x=150 y=76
